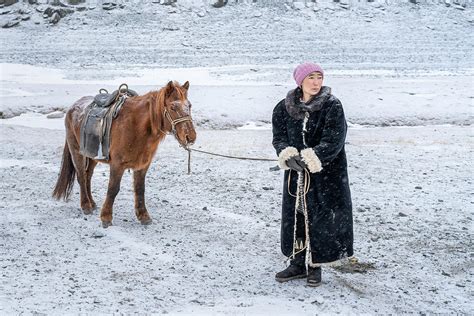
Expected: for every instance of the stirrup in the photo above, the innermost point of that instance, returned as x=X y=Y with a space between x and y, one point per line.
x=100 y=155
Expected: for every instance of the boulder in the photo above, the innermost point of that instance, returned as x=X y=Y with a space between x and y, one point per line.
x=48 y=12
x=55 y=18
x=8 y=2
x=109 y=6
x=57 y=3
x=75 y=2
x=219 y=3
x=299 y=5
x=11 y=23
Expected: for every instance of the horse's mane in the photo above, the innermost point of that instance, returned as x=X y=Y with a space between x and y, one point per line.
x=156 y=103
x=156 y=107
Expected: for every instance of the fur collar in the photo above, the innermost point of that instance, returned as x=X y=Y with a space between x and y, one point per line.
x=297 y=109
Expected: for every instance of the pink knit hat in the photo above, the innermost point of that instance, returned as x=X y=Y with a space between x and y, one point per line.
x=303 y=70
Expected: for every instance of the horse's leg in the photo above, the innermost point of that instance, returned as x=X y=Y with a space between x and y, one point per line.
x=116 y=173
x=89 y=172
x=79 y=164
x=139 y=186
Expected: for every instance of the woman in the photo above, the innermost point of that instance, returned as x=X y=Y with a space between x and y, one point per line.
x=309 y=132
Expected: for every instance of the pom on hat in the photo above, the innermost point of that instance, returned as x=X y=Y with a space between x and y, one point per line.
x=303 y=70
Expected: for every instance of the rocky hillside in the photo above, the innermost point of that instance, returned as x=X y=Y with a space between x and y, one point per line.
x=346 y=35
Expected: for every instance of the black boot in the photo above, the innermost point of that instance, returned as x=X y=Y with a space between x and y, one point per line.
x=314 y=276
x=292 y=272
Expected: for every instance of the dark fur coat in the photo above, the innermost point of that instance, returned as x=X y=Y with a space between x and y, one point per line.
x=328 y=199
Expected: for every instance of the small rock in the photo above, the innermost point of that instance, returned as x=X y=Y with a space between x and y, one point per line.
x=276 y=168
x=204 y=208
x=171 y=28
x=55 y=114
x=97 y=234
x=402 y=214
x=418 y=187
x=268 y=188
x=257 y=14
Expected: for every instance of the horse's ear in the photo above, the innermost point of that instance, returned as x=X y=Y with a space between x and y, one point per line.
x=169 y=88
x=186 y=85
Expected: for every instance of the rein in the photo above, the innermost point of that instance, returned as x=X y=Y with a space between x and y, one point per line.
x=231 y=157
x=187 y=118
x=221 y=155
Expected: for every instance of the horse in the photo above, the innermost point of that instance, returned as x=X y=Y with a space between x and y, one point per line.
x=143 y=122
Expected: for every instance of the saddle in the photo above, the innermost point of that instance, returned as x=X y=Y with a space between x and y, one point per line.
x=95 y=128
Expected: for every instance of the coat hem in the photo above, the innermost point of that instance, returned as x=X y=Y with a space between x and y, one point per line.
x=333 y=263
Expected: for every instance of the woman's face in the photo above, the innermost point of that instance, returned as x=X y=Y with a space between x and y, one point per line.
x=312 y=83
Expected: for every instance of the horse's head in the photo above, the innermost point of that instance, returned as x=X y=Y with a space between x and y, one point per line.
x=177 y=112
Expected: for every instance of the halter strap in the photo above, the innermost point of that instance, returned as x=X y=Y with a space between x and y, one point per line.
x=176 y=121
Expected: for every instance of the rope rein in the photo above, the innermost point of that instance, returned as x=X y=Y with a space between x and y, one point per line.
x=231 y=157
x=221 y=155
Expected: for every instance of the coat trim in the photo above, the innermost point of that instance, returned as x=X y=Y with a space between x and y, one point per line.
x=335 y=263
x=311 y=160
x=296 y=109
x=286 y=154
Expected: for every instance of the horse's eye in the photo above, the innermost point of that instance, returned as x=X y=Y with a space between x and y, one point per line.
x=174 y=106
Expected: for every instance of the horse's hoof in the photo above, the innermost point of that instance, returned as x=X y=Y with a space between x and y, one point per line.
x=146 y=221
x=87 y=211
x=106 y=224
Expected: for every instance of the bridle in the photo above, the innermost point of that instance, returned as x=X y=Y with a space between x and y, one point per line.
x=176 y=121
x=182 y=119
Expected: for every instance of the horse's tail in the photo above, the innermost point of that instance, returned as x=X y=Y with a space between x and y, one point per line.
x=66 y=177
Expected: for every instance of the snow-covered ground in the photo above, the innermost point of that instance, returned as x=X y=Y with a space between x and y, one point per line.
x=214 y=245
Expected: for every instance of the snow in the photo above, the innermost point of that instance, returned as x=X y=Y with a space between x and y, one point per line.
x=213 y=248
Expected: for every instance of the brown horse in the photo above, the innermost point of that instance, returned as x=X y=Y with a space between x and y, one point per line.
x=136 y=132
